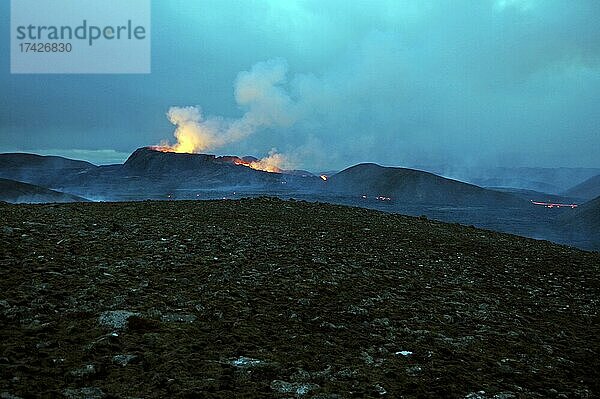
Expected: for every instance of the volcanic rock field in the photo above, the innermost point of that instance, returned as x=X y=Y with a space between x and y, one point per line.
x=267 y=298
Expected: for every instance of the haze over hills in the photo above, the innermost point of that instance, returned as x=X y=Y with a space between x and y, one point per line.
x=51 y=172
x=547 y=180
x=152 y=174
x=22 y=166
x=25 y=161
x=530 y=195
x=149 y=172
x=16 y=192
x=589 y=189
x=582 y=226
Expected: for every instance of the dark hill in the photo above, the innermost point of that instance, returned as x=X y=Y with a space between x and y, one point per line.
x=17 y=192
x=149 y=174
x=203 y=171
x=414 y=186
x=46 y=171
x=532 y=195
x=549 y=180
x=278 y=299
x=34 y=161
x=148 y=161
x=581 y=227
x=587 y=190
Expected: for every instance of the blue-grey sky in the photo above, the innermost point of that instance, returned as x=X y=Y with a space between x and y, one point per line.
x=468 y=83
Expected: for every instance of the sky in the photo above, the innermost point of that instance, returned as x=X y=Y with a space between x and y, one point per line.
x=399 y=82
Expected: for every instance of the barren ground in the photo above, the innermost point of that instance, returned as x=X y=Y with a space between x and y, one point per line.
x=271 y=298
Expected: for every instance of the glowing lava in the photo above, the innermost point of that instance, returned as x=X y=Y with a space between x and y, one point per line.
x=272 y=164
x=163 y=148
x=552 y=205
x=261 y=164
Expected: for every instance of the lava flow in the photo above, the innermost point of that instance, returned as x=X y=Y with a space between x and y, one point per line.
x=261 y=164
x=271 y=164
x=552 y=205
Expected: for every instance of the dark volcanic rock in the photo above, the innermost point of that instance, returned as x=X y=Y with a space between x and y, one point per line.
x=148 y=161
x=270 y=298
x=184 y=172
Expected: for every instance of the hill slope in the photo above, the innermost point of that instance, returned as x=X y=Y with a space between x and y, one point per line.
x=549 y=180
x=33 y=161
x=414 y=186
x=149 y=174
x=148 y=161
x=28 y=167
x=587 y=190
x=17 y=192
x=269 y=298
x=582 y=226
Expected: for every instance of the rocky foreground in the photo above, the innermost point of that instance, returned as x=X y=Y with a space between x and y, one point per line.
x=271 y=298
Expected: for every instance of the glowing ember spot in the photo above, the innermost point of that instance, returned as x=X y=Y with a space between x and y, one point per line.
x=324 y=177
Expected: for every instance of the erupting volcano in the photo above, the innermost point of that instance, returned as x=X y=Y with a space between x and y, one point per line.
x=260 y=93
x=196 y=135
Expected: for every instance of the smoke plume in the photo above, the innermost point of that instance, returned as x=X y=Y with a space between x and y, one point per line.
x=260 y=92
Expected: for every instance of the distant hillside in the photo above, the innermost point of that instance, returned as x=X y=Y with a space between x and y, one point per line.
x=514 y=183
x=17 y=192
x=582 y=226
x=548 y=180
x=588 y=214
x=415 y=186
x=532 y=195
x=588 y=189
x=33 y=161
x=39 y=169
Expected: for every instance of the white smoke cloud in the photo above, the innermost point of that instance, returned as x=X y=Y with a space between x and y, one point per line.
x=192 y=132
x=260 y=92
x=274 y=162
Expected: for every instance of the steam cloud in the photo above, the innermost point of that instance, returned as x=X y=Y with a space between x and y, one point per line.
x=259 y=91
x=275 y=162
